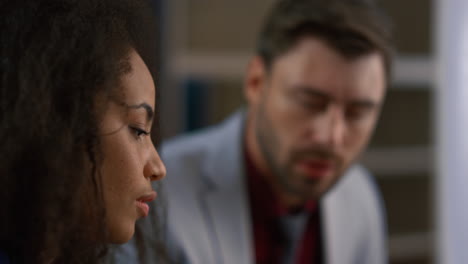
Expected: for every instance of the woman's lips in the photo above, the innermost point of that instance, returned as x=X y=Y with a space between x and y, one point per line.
x=315 y=169
x=142 y=201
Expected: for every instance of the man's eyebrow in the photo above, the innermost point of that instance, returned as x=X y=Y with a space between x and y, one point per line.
x=147 y=107
x=367 y=103
x=363 y=103
x=309 y=91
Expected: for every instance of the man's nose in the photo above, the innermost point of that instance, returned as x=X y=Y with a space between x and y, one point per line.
x=329 y=129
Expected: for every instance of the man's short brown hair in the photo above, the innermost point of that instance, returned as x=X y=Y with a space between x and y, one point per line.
x=351 y=27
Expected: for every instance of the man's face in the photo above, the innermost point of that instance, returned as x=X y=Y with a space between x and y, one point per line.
x=312 y=113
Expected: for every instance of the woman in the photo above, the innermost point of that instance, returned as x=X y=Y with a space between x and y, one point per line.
x=77 y=100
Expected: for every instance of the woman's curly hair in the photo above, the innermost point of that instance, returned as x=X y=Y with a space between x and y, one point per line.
x=55 y=57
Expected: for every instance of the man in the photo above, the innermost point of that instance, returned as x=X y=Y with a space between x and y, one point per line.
x=276 y=183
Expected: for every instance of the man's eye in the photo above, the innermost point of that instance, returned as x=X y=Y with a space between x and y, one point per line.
x=357 y=113
x=312 y=104
x=139 y=132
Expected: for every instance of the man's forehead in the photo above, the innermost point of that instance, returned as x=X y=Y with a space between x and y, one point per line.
x=314 y=51
x=322 y=46
x=317 y=68
x=338 y=95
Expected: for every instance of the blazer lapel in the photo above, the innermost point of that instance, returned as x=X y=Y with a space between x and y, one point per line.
x=227 y=201
x=340 y=226
x=231 y=226
x=333 y=233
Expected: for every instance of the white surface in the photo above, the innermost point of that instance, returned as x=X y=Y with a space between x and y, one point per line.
x=452 y=131
x=408 y=246
x=393 y=162
x=408 y=70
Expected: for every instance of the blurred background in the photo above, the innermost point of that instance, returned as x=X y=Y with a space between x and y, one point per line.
x=205 y=47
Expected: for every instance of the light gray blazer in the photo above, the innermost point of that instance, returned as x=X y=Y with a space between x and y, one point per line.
x=208 y=209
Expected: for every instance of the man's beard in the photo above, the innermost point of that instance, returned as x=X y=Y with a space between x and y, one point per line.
x=269 y=145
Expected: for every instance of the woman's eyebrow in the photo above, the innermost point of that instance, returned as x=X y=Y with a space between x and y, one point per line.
x=147 y=107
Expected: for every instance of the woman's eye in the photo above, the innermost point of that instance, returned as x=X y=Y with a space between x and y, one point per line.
x=139 y=132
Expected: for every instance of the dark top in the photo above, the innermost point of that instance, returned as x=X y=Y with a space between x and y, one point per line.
x=3 y=258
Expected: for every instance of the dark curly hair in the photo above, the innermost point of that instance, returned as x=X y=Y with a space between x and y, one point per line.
x=55 y=57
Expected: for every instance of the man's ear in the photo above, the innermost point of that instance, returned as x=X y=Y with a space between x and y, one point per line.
x=255 y=80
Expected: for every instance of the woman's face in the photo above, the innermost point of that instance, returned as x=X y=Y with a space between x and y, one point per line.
x=130 y=161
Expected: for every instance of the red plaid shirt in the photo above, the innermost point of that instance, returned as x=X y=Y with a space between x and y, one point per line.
x=266 y=210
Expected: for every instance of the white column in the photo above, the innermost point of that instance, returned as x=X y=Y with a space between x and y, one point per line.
x=451 y=98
